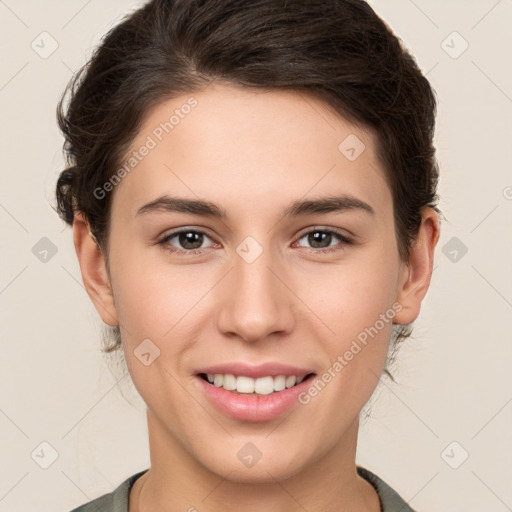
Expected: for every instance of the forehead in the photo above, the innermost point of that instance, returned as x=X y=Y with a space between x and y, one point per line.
x=249 y=147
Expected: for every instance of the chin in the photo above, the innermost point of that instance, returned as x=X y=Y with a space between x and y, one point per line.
x=245 y=463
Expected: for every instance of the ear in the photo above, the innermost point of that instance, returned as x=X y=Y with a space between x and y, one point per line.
x=415 y=278
x=94 y=271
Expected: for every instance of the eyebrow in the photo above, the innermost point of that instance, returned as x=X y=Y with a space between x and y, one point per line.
x=322 y=205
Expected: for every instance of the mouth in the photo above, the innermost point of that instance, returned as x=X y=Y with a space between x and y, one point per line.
x=261 y=386
x=256 y=398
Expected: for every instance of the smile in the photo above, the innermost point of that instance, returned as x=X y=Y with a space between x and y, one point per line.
x=248 y=385
x=253 y=393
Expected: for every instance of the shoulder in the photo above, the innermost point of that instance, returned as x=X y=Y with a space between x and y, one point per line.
x=115 y=501
x=390 y=500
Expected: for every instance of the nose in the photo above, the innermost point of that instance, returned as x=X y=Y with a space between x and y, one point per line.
x=255 y=301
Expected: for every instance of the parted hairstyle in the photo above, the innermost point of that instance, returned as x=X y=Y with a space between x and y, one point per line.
x=338 y=51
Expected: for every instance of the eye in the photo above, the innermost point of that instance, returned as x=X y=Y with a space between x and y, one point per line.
x=190 y=240
x=322 y=239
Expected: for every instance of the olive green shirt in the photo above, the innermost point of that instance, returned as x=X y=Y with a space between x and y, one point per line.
x=117 y=501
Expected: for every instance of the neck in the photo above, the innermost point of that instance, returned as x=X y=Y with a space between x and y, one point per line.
x=177 y=481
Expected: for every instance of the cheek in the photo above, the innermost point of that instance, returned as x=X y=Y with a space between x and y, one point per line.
x=357 y=306
x=161 y=315
x=351 y=298
x=160 y=301
x=151 y=302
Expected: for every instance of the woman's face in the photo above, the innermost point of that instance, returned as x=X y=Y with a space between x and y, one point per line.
x=287 y=262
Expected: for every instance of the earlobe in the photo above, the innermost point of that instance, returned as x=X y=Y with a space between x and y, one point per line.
x=416 y=277
x=94 y=272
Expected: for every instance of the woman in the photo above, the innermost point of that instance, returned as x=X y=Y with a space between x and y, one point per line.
x=252 y=190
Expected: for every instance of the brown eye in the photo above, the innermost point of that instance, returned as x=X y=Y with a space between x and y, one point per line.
x=322 y=239
x=184 y=241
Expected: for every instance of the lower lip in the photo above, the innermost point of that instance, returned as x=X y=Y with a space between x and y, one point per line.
x=250 y=407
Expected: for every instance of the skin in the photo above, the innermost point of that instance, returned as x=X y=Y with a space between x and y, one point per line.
x=253 y=153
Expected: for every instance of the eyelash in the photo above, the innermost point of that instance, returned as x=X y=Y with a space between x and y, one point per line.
x=164 y=241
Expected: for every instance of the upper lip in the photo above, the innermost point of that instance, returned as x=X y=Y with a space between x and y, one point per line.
x=272 y=369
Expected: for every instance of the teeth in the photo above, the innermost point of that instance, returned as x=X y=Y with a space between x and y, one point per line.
x=290 y=381
x=245 y=385
x=264 y=386
x=229 y=382
x=260 y=386
x=279 y=383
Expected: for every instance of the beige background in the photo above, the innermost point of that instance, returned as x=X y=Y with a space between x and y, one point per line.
x=454 y=378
